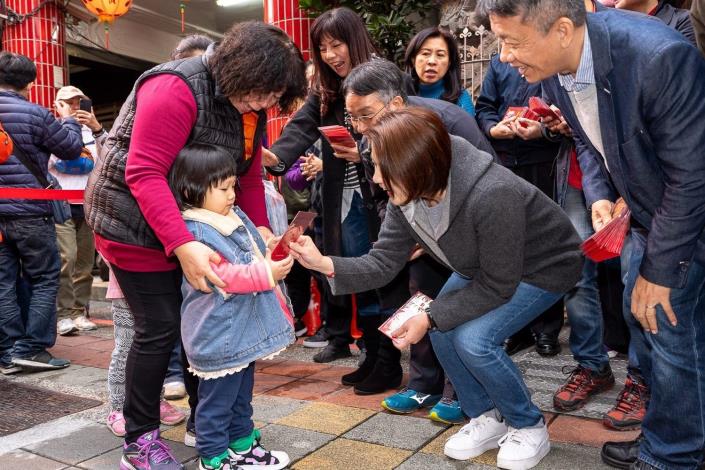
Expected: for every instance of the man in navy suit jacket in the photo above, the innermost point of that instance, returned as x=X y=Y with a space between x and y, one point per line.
x=629 y=88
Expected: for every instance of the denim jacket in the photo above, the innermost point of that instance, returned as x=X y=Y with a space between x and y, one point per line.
x=221 y=332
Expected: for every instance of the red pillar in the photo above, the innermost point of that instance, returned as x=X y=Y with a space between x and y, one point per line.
x=286 y=15
x=33 y=38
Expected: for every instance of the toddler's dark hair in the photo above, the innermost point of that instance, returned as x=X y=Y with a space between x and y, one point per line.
x=197 y=168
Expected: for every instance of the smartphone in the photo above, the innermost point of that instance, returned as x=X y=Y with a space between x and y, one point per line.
x=297 y=227
x=85 y=104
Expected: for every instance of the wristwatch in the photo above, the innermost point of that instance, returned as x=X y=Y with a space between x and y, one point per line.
x=430 y=318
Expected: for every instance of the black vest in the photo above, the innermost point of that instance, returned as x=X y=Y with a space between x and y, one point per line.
x=111 y=210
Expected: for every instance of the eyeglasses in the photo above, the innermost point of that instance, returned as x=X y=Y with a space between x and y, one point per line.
x=364 y=119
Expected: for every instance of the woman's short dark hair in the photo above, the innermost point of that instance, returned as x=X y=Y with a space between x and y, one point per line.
x=413 y=151
x=451 y=80
x=196 y=169
x=346 y=26
x=255 y=57
x=16 y=71
x=190 y=45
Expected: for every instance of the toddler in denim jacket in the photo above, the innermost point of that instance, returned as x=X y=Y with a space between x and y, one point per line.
x=225 y=331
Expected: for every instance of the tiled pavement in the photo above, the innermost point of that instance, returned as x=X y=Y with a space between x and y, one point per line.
x=302 y=409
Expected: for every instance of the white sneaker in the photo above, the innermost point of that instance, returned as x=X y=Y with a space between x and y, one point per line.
x=84 y=324
x=190 y=438
x=66 y=327
x=174 y=390
x=522 y=449
x=475 y=438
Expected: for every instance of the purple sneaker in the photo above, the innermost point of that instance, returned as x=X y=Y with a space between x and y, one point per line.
x=148 y=453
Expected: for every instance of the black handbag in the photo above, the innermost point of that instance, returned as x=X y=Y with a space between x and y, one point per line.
x=61 y=211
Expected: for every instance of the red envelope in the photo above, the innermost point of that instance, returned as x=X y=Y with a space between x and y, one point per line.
x=337 y=135
x=539 y=106
x=608 y=242
x=416 y=305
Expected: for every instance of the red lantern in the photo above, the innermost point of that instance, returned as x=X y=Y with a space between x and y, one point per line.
x=107 y=11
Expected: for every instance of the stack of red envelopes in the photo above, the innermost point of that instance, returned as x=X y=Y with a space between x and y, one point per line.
x=608 y=242
x=540 y=107
x=337 y=135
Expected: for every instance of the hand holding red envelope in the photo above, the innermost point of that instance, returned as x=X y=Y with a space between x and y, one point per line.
x=608 y=242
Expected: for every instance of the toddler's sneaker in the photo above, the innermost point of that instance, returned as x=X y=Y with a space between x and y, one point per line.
x=221 y=462
x=256 y=457
x=149 y=452
x=477 y=437
x=116 y=423
x=447 y=411
x=169 y=414
x=522 y=449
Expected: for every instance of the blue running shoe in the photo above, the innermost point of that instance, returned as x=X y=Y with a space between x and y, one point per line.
x=447 y=411
x=408 y=401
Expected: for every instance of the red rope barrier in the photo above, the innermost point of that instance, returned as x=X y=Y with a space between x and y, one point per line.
x=71 y=195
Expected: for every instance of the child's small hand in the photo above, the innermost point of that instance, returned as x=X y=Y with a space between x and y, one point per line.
x=280 y=268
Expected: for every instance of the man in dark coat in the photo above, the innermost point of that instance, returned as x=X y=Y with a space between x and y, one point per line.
x=27 y=226
x=648 y=137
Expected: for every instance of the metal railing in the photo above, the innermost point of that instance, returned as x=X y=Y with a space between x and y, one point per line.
x=477 y=45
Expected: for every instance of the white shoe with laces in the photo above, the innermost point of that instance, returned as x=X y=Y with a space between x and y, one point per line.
x=522 y=449
x=84 y=324
x=475 y=438
x=66 y=327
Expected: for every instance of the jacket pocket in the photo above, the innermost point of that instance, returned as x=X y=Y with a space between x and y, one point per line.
x=641 y=171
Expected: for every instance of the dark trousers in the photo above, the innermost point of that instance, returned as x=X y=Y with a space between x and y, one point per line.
x=298 y=285
x=551 y=321
x=155 y=301
x=224 y=412
x=425 y=372
x=28 y=245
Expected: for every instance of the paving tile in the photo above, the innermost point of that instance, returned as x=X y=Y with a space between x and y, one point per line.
x=584 y=431
x=269 y=409
x=102 y=345
x=76 y=340
x=296 y=442
x=261 y=364
x=28 y=461
x=347 y=397
x=78 y=446
x=326 y=418
x=436 y=462
x=573 y=456
x=404 y=432
x=295 y=368
x=99 y=359
x=332 y=375
x=344 y=453
x=305 y=389
x=174 y=433
x=266 y=382
x=436 y=445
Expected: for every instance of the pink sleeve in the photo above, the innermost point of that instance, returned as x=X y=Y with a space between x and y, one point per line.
x=165 y=115
x=244 y=278
x=250 y=196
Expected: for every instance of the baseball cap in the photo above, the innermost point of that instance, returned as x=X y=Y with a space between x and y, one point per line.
x=68 y=92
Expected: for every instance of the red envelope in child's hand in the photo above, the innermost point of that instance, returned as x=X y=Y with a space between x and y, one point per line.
x=296 y=228
x=338 y=135
x=539 y=106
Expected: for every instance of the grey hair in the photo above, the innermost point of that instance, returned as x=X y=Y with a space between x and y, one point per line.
x=376 y=76
x=542 y=13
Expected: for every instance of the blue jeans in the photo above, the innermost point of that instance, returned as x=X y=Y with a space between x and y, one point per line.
x=175 y=372
x=224 y=411
x=583 y=301
x=673 y=363
x=29 y=244
x=472 y=356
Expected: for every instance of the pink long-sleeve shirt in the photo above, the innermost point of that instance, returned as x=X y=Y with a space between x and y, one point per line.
x=166 y=113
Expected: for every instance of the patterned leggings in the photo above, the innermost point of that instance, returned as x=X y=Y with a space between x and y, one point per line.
x=124 y=332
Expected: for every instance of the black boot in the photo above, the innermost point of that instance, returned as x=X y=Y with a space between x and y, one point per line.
x=387 y=372
x=370 y=335
x=621 y=454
